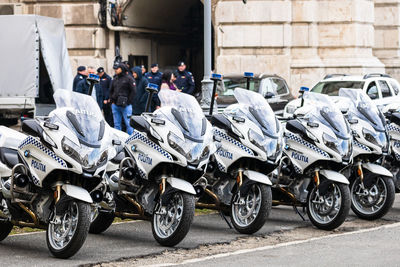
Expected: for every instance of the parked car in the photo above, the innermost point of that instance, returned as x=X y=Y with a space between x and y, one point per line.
x=381 y=88
x=272 y=87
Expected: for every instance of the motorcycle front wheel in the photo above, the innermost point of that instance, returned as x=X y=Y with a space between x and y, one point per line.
x=250 y=212
x=327 y=210
x=68 y=228
x=171 y=224
x=101 y=221
x=373 y=199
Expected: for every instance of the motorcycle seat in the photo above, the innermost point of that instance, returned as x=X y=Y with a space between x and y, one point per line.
x=220 y=121
x=9 y=156
x=139 y=123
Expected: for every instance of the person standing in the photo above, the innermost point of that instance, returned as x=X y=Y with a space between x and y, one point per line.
x=154 y=76
x=168 y=81
x=105 y=85
x=84 y=86
x=140 y=101
x=184 y=79
x=81 y=74
x=122 y=93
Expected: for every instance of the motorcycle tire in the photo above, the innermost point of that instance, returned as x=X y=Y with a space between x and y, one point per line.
x=83 y=213
x=262 y=216
x=102 y=222
x=5 y=229
x=389 y=200
x=341 y=215
x=183 y=226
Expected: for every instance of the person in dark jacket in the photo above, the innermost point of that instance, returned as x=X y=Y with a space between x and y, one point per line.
x=105 y=85
x=139 y=103
x=184 y=79
x=82 y=74
x=122 y=93
x=154 y=76
x=97 y=93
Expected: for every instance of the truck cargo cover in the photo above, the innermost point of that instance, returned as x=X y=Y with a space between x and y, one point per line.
x=21 y=38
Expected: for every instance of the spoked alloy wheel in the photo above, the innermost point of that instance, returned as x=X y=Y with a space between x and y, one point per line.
x=328 y=210
x=249 y=212
x=170 y=224
x=374 y=200
x=68 y=230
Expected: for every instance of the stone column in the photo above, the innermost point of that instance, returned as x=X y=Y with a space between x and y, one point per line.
x=346 y=36
x=387 y=35
x=254 y=37
x=306 y=65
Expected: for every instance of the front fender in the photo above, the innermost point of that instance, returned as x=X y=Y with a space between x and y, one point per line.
x=257 y=177
x=334 y=176
x=377 y=169
x=77 y=193
x=181 y=185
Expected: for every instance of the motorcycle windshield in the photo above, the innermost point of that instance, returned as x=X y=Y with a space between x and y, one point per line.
x=83 y=116
x=186 y=113
x=363 y=107
x=325 y=111
x=260 y=112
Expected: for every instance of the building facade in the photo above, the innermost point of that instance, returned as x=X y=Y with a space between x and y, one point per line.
x=301 y=40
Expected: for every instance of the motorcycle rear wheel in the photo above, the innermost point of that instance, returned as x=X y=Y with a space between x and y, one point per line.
x=376 y=202
x=250 y=216
x=329 y=211
x=172 y=227
x=5 y=229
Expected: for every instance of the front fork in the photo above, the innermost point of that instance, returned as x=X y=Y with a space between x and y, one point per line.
x=239 y=183
x=360 y=173
x=162 y=210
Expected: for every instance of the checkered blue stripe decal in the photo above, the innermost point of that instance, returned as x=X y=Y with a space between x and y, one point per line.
x=221 y=167
x=138 y=136
x=361 y=146
x=33 y=141
x=233 y=141
x=393 y=128
x=397 y=155
x=305 y=143
x=296 y=169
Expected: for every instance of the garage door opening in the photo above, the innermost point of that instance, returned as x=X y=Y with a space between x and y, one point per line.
x=176 y=34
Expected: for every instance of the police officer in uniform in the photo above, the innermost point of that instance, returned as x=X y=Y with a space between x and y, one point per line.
x=184 y=79
x=154 y=76
x=81 y=75
x=105 y=85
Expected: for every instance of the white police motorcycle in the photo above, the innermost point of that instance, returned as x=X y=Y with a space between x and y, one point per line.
x=46 y=178
x=318 y=146
x=168 y=148
x=371 y=185
x=250 y=146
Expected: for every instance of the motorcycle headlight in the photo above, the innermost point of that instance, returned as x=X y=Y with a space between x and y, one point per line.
x=71 y=149
x=256 y=139
x=370 y=136
x=330 y=142
x=177 y=143
x=267 y=144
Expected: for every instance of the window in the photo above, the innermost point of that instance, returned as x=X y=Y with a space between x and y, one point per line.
x=385 y=89
x=332 y=88
x=276 y=86
x=230 y=84
x=372 y=91
x=395 y=86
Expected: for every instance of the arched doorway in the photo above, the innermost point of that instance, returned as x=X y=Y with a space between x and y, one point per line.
x=177 y=35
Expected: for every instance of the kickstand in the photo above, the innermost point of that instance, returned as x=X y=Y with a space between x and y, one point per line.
x=225 y=219
x=299 y=213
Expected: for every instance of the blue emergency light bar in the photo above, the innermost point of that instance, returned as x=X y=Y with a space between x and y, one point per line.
x=216 y=76
x=304 y=89
x=248 y=74
x=94 y=77
x=152 y=86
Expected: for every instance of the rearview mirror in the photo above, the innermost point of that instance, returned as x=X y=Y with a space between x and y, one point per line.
x=269 y=95
x=372 y=96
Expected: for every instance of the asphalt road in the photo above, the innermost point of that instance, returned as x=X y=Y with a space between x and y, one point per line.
x=377 y=247
x=135 y=239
